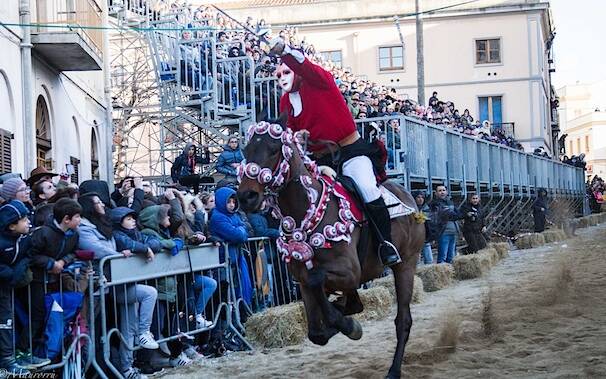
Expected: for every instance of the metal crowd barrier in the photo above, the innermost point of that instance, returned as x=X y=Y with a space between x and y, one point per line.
x=175 y=307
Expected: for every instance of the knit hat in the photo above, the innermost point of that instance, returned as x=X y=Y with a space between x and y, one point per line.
x=10 y=187
x=12 y=212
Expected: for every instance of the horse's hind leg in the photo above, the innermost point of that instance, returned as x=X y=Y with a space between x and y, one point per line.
x=404 y=279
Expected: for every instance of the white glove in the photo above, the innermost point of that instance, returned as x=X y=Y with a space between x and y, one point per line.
x=276 y=46
x=328 y=171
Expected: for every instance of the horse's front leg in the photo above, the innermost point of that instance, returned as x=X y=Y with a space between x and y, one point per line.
x=317 y=331
x=404 y=279
x=332 y=317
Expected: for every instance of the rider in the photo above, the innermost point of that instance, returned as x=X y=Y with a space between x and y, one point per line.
x=313 y=103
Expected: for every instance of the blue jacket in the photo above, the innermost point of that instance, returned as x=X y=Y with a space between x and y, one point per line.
x=228 y=227
x=227 y=157
x=14 y=258
x=132 y=239
x=224 y=224
x=261 y=226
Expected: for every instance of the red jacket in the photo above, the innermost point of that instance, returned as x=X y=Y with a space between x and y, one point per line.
x=325 y=114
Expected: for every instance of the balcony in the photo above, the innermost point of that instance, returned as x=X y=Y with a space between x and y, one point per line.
x=69 y=35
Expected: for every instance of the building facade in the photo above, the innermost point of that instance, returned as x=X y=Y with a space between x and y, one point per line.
x=52 y=98
x=491 y=57
x=582 y=114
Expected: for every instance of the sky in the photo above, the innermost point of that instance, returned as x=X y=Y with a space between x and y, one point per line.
x=580 y=42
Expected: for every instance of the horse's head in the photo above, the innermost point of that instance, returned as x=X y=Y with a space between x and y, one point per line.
x=266 y=164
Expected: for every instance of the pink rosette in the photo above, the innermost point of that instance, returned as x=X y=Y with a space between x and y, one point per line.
x=341 y=228
x=252 y=170
x=265 y=176
x=275 y=131
x=345 y=214
x=330 y=231
x=317 y=240
x=288 y=224
x=299 y=235
x=300 y=251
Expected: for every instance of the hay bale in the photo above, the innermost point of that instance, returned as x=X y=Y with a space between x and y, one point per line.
x=490 y=253
x=569 y=227
x=436 y=276
x=554 y=235
x=528 y=241
x=502 y=248
x=582 y=222
x=377 y=303
x=471 y=266
x=387 y=282
x=281 y=326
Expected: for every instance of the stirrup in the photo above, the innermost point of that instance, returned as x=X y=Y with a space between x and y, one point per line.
x=389 y=254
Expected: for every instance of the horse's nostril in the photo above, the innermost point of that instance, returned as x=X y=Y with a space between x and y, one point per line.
x=251 y=196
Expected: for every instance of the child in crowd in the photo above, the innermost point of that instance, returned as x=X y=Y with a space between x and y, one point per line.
x=96 y=234
x=225 y=224
x=156 y=221
x=128 y=237
x=424 y=207
x=15 y=249
x=54 y=247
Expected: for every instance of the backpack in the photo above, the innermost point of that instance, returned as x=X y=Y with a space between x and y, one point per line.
x=61 y=314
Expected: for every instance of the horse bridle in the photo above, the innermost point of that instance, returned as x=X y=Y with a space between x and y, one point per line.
x=300 y=242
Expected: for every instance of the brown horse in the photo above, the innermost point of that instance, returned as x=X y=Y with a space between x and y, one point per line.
x=334 y=267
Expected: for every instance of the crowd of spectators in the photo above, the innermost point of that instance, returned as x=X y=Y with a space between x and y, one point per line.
x=595 y=192
x=365 y=99
x=53 y=234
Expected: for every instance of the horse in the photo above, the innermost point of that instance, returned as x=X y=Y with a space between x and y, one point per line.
x=276 y=167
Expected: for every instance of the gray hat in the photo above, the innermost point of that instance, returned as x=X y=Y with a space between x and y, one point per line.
x=10 y=188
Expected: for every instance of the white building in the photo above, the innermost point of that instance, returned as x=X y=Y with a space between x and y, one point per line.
x=583 y=118
x=60 y=122
x=490 y=56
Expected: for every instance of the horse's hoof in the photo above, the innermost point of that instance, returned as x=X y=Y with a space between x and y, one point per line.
x=318 y=339
x=356 y=331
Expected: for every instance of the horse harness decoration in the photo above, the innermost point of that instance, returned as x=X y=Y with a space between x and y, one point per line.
x=298 y=242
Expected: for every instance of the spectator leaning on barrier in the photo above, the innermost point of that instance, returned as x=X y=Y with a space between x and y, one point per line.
x=230 y=159
x=447 y=215
x=15 y=249
x=474 y=227
x=96 y=234
x=539 y=209
x=260 y=224
x=426 y=253
x=225 y=224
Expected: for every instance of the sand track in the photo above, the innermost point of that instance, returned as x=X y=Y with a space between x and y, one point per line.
x=540 y=313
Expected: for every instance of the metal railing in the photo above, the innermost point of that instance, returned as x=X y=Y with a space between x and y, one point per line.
x=83 y=15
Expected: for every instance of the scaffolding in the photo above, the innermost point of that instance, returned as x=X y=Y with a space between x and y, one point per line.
x=173 y=83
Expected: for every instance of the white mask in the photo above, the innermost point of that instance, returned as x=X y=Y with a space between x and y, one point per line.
x=286 y=77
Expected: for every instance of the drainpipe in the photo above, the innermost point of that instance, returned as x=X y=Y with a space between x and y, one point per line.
x=29 y=126
x=109 y=124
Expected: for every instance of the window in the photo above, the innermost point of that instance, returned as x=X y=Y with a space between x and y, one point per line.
x=75 y=162
x=391 y=58
x=94 y=157
x=334 y=56
x=43 y=135
x=488 y=51
x=586 y=144
x=491 y=109
x=6 y=156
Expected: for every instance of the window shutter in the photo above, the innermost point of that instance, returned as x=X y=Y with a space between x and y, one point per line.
x=6 y=159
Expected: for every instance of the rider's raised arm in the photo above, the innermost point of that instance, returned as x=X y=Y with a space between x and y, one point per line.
x=312 y=74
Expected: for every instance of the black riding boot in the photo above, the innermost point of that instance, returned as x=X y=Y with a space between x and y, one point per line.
x=380 y=217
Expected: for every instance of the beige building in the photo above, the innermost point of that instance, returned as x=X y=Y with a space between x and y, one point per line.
x=583 y=118
x=52 y=91
x=490 y=56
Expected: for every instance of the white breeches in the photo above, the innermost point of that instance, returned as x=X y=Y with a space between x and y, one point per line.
x=361 y=171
